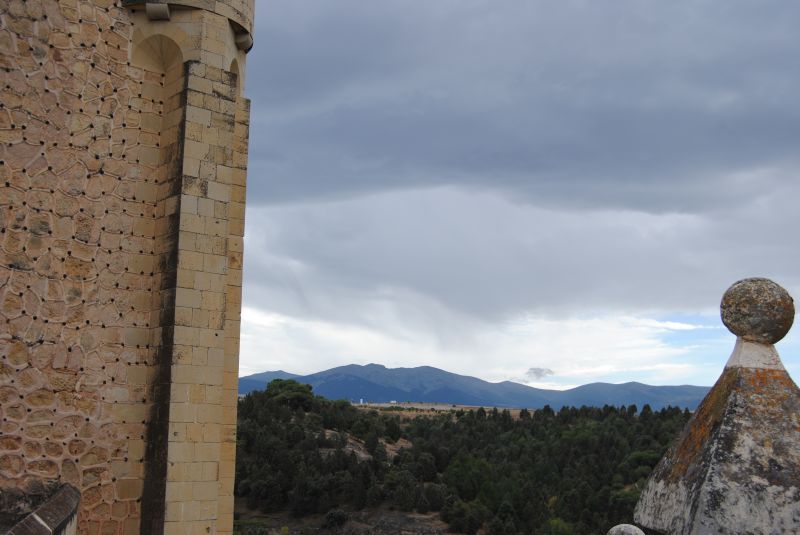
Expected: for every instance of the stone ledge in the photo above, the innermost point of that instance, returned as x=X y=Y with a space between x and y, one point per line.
x=239 y=12
x=56 y=516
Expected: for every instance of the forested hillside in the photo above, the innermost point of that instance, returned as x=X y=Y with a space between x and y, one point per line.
x=572 y=471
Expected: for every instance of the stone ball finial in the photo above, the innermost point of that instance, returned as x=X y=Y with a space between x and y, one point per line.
x=757 y=310
x=625 y=529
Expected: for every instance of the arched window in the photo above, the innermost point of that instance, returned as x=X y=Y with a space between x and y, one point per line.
x=238 y=81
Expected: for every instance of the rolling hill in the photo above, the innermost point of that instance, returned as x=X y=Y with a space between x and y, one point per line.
x=259 y=381
x=377 y=383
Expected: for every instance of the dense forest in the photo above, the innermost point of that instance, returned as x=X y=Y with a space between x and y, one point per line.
x=572 y=471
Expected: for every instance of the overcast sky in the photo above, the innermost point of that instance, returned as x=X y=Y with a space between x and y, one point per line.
x=550 y=192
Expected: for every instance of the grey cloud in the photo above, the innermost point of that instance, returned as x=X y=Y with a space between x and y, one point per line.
x=535 y=374
x=442 y=165
x=636 y=105
x=486 y=257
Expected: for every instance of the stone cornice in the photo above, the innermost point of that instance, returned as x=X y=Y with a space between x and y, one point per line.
x=238 y=12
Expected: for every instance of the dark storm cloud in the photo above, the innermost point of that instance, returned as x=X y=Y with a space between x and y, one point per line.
x=448 y=166
x=654 y=106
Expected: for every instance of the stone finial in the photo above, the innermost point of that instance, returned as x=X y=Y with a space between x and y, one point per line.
x=625 y=529
x=736 y=466
x=757 y=310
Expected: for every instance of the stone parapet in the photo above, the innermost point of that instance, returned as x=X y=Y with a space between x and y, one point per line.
x=240 y=12
x=56 y=516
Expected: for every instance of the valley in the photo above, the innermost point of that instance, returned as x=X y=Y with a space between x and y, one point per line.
x=311 y=464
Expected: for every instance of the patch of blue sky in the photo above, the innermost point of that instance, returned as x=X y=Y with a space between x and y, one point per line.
x=707 y=346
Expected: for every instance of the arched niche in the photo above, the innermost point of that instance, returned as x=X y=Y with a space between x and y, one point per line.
x=157 y=53
x=163 y=82
x=234 y=69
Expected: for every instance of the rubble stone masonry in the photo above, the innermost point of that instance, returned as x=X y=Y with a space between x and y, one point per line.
x=123 y=154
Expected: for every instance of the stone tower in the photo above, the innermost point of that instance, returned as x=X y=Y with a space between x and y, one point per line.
x=123 y=152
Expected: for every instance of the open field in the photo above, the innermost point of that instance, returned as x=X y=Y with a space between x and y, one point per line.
x=376 y=521
x=412 y=409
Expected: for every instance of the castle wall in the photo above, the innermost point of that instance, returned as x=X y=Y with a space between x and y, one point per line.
x=123 y=149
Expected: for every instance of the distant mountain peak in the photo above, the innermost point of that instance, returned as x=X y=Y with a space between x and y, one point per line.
x=377 y=383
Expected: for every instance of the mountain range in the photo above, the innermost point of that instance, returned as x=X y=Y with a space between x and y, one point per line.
x=379 y=384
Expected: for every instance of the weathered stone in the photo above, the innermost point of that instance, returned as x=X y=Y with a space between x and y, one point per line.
x=100 y=512
x=69 y=472
x=17 y=354
x=109 y=527
x=736 y=466
x=42 y=355
x=63 y=381
x=32 y=449
x=40 y=398
x=93 y=476
x=7 y=394
x=94 y=457
x=87 y=430
x=39 y=416
x=11 y=306
x=625 y=529
x=10 y=443
x=53 y=449
x=757 y=310
x=91 y=497
x=9 y=428
x=43 y=468
x=91 y=214
x=7 y=373
x=76 y=447
x=30 y=378
x=15 y=411
x=11 y=465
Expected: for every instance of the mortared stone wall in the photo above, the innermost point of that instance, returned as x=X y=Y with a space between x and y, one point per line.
x=123 y=152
